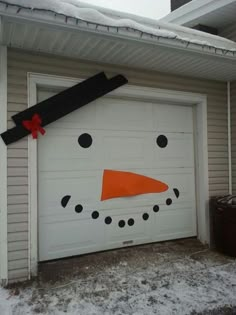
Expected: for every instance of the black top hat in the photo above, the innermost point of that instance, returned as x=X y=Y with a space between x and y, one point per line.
x=62 y=104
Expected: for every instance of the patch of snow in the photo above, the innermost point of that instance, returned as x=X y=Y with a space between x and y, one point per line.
x=7 y=302
x=78 y=10
x=171 y=286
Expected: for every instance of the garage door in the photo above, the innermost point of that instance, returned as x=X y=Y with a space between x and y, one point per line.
x=154 y=140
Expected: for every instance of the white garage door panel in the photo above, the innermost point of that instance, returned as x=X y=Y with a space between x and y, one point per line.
x=119 y=150
x=183 y=218
x=115 y=239
x=78 y=188
x=81 y=236
x=171 y=118
x=178 y=153
x=124 y=137
x=108 y=114
x=74 y=236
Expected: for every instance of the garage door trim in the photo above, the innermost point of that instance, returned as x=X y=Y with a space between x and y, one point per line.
x=199 y=101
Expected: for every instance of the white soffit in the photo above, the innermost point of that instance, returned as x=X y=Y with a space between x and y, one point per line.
x=213 y=13
x=159 y=47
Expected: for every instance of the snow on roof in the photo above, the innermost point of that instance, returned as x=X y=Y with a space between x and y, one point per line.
x=104 y=17
x=200 y=11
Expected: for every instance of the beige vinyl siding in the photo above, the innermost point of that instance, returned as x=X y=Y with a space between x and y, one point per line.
x=233 y=132
x=229 y=32
x=19 y=63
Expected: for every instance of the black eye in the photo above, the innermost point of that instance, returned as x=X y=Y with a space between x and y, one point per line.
x=162 y=141
x=85 y=140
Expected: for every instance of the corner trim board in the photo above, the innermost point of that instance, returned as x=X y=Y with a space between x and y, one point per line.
x=197 y=101
x=3 y=169
x=229 y=136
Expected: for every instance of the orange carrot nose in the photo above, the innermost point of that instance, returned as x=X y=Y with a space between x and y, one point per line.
x=123 y=184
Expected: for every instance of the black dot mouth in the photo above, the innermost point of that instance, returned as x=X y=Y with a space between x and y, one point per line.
x=131 y=222
x=108 y=220
x=65 y=200
x=156 y=208
x=176 y=192
x=78 y=208
x=95 y=215
x=121 y=223
x=145 y=216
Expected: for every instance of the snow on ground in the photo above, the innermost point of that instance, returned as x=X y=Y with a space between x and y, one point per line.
x=156 y=279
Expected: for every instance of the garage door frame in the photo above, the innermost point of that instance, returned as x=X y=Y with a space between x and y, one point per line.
x=199 y=101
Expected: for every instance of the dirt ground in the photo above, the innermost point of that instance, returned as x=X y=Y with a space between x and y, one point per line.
x=177 y=277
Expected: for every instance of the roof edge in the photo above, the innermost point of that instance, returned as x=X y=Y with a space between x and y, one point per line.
x=193 y=10
x=54 y=18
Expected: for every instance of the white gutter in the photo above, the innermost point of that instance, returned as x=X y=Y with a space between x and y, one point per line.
x=229 y=136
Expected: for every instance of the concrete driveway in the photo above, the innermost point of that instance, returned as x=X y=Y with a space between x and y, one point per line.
x=178 y=277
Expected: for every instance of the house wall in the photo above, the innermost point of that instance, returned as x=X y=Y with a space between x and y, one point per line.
x=233 y=132
x=19 y=63
x=229 y=32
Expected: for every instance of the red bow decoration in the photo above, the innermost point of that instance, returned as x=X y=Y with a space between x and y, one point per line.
x=34 y=126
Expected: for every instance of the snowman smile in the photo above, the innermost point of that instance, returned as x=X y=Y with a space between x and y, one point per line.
x=117 y=184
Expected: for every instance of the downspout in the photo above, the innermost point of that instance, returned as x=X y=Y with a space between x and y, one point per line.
x=229 y=136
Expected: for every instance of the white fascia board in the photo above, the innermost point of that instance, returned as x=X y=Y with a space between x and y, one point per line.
x=194 y=10
x=226 y=54
x=3 y=164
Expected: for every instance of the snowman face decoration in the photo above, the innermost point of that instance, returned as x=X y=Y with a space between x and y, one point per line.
x=124 y=184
